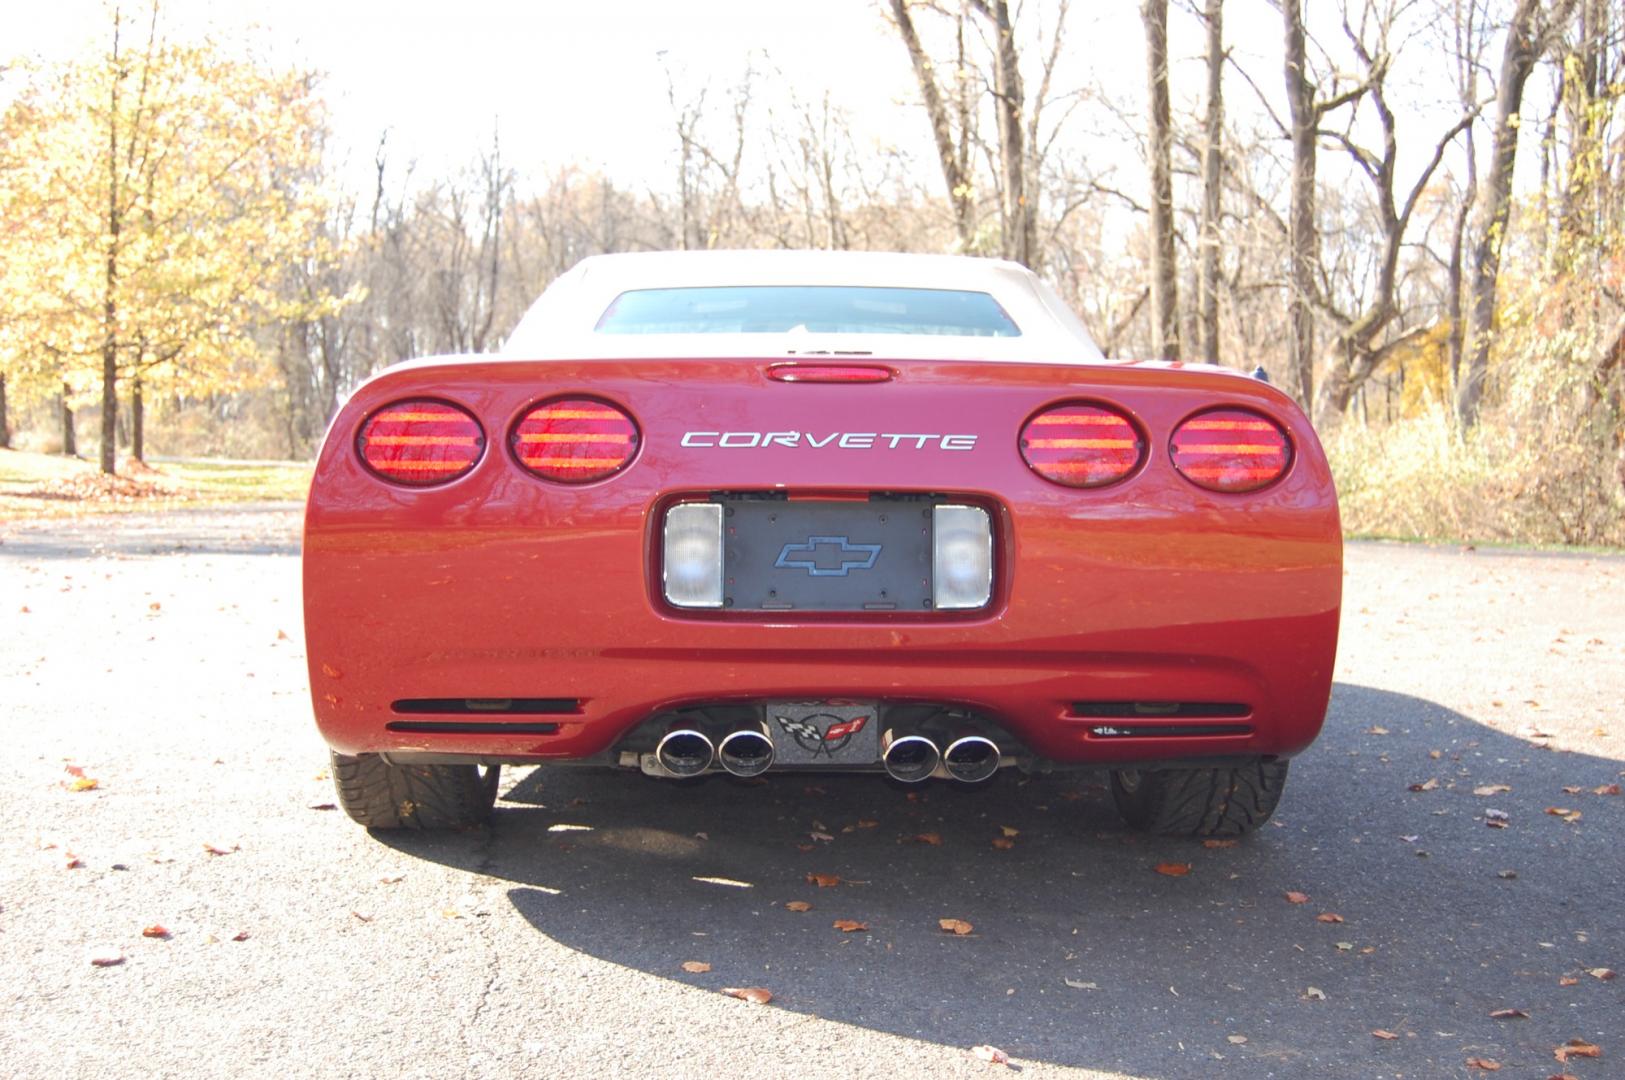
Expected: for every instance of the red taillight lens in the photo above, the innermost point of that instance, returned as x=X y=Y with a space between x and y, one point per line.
x=575 y=440
x=420 y=442
x=1230 y=450
x=1082 y=445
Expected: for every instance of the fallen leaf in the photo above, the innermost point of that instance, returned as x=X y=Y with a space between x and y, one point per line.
x=850 y=926
x=696 y=967
x=756 y=995
x=1328 y=917
x=1376 y=729
x=1509 y=1014
x=1605 y=974
x=867 y=823
x=321 y=806
x=106 y=958
x=1492 y=789
x=1216 y=844
x=1381 y=1034
x=154 y=606
x=955 y=926
x=1173 y=869
x=215 y=849
x=1572 y=789
x=1569 y=816
x=1235 y=1040
x=241 y=935
x=155 y=931
x=931 y=838
x=1003 y=843
x=1297 y=898
x=824 y=836
x=83 y=783
x=1315 y=993
x=1606 y=789
x=1568 y=980
x=1426 y=785
x=451 y=913
x=1487 y=1064
x=1079 y=985
x=1507 y=875
x=1008 y=831
x=357 y=915
x=824 y=881
x=991 y=1054
x=1577 y=1048
x=392 y=879
x=1345 y=946
x=798 y=905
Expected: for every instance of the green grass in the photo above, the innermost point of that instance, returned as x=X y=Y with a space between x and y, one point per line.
x=50 y=485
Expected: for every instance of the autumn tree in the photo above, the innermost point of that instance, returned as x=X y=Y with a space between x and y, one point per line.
x=153 y=173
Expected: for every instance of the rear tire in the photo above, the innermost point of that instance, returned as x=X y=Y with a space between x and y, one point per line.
x=384 y=796
x=1200 y=802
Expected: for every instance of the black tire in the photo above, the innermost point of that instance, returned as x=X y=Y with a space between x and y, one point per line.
x=1200 y=802
x=384 y=796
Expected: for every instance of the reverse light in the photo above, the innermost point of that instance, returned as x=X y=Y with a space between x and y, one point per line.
x=1082 y=445
x=1232 y=450
x=420 y=442
x=961 y=557
x=575 y=440
x=692 y=556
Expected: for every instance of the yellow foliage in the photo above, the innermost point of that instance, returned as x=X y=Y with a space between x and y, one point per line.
x=160 y=190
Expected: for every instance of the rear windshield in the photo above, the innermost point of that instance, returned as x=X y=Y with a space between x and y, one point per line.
x=819 y=309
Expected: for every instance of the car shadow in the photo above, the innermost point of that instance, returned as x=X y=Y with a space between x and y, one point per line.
x=1088 y=945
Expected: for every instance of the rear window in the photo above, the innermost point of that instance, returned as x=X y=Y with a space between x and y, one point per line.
x=818 y=309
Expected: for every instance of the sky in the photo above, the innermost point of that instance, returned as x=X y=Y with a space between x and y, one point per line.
x=585 y=84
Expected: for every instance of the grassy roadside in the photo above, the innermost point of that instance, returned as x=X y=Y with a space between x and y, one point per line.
x=50 y=485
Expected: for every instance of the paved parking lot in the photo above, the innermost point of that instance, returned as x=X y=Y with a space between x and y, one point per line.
x=163 y=659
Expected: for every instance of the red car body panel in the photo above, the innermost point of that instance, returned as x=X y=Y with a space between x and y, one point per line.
x=503 y=585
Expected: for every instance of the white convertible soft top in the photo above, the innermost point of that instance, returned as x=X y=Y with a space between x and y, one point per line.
x=560 y=325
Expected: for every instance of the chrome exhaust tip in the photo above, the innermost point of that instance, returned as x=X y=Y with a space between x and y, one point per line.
x=685 y=752
x=971 y=759
x=746 y=752
x=909 y=758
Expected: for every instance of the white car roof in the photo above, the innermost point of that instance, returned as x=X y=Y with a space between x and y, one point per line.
x=561 y=323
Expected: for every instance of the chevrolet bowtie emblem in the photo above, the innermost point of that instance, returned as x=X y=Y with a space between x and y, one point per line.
x=828 y=556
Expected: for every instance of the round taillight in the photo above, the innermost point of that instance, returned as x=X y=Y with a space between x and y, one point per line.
x=1082 y=445
x=1230 y=450
x=420 y=442
x=575 y=440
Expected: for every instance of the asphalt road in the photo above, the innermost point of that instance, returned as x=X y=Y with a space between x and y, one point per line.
x=163 y=658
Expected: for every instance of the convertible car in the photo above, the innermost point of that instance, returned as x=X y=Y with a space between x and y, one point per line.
x=756 y=512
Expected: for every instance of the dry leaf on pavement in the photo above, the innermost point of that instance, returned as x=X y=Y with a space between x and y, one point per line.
x=1173 y=869
x=1509 y=1014
x=756 y=995
x=1003 y=843
x=1297 y=898
x=1329 y=917
x=696 y=967
x=155 y=931
x=1220 y=843
x=991 y=1054
x=955 y=926
x=1577 y=1048
x=798 y=905
x=1602 y=973
x=850 y=926
x=1381 y=1034
x=1487 y=1064
x=1008 y=831
x=931 y=838
x=824 y=881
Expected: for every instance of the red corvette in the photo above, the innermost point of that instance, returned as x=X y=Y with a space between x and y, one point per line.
x=749 y=512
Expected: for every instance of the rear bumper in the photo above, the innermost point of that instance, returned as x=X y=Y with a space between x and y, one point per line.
x=500 y=586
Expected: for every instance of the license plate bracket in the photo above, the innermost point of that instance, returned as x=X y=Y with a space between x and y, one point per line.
x=824 y=733
x=827 y=555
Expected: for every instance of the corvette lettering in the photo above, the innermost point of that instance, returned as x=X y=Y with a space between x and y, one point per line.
x=840 y=440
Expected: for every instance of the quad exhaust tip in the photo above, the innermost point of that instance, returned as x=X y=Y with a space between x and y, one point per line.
x=746 y=752
x=909 y=758
x=685 y=752
x=971 y=759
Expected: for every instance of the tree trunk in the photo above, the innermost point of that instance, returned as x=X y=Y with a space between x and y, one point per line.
x=953 y=170
x=1164 y=279
x=1458 y=238
x=109 y=454
x=137 y=418
x=1517 y=61
x=70 y=444
x=1207 y=282
x=1020 y=232
x=5 y=426
x=1302 y=240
